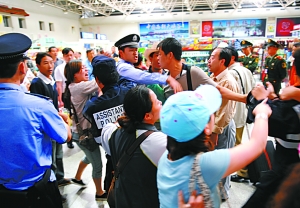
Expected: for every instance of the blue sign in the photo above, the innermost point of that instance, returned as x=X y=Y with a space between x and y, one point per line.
x=100 y=36
x=87 y=46
x=86 y=35
x=160 y=31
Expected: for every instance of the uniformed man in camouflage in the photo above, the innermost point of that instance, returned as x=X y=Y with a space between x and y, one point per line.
x=275 y=66
x=249 y=60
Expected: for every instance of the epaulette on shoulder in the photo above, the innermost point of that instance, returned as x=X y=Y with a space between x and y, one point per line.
x=241 y=56
x=40 y=96
x=254 y=55
x=279 y=57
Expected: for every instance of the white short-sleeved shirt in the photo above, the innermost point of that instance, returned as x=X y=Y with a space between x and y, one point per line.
x=60 y=76
x=153 y=146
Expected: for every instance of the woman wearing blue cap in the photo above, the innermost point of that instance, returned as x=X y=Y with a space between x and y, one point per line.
x=188 y=118
x=78 y=91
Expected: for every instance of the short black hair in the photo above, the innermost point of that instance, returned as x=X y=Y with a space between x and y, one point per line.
x=51 y=47
x=171 y=45
x=137 y=103
x=151 y=54
x=225 y=53
x=297 y=44
x=233 y=53
x=8 y=69
x=40 y=56
x=65 y=51
x=88 y=50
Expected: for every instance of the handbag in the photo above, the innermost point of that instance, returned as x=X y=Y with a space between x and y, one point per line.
x=197 y=179
x=86 y=138
x=126 y=156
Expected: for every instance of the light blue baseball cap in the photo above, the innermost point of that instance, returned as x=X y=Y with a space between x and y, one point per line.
x=185 y=114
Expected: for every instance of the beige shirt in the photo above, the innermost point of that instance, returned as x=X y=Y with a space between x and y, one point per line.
x=198 y=77
x=241 y=112
x=227 y=110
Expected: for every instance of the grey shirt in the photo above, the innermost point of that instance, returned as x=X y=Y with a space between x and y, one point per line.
x=80 y=93
x=198 y=77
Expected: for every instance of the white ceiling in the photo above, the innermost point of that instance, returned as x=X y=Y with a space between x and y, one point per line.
x=110 y=8
x=195 y=16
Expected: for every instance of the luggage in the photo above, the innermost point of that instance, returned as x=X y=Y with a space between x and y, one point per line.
x=262 y=164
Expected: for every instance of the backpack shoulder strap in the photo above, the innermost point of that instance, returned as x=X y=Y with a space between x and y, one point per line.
x=188 y=77
x=240 y=80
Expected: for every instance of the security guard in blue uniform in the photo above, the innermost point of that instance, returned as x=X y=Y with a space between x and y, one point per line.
x=109 y=106
x=128 y=52
x=249 y=60
x=275 y=66
x=28 y=123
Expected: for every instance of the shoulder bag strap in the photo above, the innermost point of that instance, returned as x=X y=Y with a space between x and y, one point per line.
x=79 y=129
x=241 y=81
x=127 y=155
x=196 y=178
x=188 y=77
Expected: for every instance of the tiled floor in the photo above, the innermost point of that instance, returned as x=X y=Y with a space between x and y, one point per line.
x=78 y=197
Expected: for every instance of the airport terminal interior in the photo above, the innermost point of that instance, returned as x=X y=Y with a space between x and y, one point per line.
x=199 y=26
x=78 y=196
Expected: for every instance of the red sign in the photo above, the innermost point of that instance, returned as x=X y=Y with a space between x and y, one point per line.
x=285 y=26
x=207 y=29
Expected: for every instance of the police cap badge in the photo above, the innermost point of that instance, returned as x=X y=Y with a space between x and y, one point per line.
x=128 y=41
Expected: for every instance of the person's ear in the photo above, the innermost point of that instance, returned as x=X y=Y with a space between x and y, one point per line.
x=150 y=59
x=121 y=52
x=207 y=130
x=170 y=55
x=148 y=117
x=223 y=61
x=22 y=68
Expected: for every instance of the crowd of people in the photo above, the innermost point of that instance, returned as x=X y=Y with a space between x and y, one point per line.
x=193 y=123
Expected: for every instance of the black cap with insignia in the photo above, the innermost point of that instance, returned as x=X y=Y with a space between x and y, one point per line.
x=13 y=46
x=131 y=41
x=245 y=44
x=273 y=43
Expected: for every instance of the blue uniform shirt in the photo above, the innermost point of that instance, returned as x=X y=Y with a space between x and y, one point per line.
x=27 y=124
x=89 y=66
x=127 y=71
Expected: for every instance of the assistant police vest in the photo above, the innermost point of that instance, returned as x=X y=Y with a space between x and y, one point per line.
x=106 y=109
